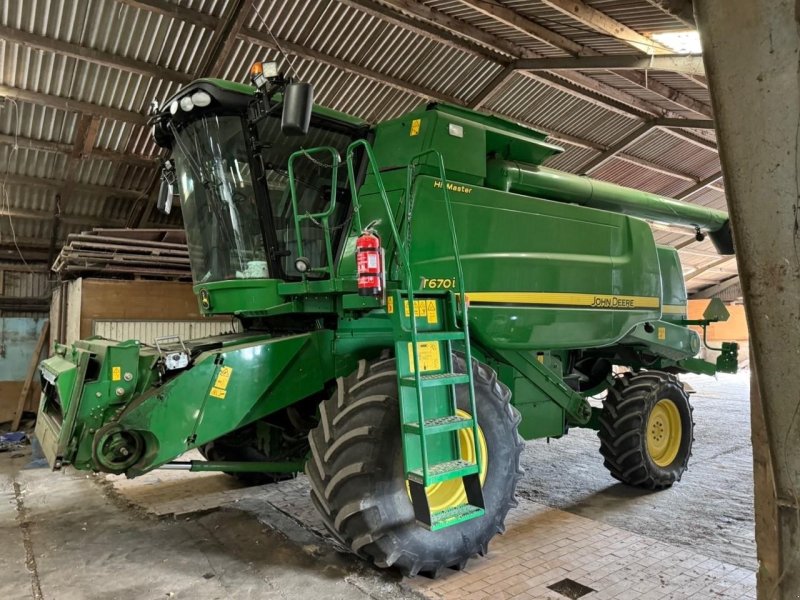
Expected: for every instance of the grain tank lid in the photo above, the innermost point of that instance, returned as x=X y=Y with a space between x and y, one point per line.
x=504 y=139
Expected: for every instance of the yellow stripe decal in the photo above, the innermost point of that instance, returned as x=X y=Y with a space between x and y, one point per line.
x=673 y=309
x=564 y=299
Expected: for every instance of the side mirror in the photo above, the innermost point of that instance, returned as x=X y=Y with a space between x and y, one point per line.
x=167 y=191
x=164 y=204
x=298 y=100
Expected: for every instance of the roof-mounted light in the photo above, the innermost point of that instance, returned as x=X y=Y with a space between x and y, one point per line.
x=201 y=98
x=173 y=107
x=262 y=72
x=186 y=103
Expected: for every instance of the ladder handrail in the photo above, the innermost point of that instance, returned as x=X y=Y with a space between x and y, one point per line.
x=461 y=290
x=402 y=252
x=406 y=265
x=322 y=216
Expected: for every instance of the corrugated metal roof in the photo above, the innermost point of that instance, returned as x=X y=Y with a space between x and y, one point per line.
x=348 y=35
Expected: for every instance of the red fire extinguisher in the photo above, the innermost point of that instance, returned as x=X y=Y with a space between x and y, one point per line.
x=369 y=264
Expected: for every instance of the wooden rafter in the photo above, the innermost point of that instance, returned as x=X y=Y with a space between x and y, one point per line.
x=225 y=37
x=602 y=23
x=98 y=57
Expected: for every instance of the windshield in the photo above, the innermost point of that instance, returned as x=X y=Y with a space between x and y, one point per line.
x=223 y=226
x=313 y=178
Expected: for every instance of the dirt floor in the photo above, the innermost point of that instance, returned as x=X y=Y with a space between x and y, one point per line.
x=75 y=536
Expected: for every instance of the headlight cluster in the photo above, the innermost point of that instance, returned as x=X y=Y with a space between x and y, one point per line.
x=189 y=101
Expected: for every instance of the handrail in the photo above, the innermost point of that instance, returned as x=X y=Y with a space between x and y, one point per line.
x=461 y=289
x=321 y=216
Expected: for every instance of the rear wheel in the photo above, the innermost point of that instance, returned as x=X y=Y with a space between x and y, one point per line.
x=358 y=483
x=646 y=430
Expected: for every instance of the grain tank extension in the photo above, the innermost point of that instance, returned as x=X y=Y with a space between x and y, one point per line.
x=415 y=297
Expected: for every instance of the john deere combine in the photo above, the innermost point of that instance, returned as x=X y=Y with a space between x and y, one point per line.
x=416 y=298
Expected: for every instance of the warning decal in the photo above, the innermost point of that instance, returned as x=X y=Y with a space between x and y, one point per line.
x=430 y=358
x=221 y=384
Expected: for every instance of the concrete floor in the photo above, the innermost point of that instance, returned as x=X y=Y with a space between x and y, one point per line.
x=78 y=536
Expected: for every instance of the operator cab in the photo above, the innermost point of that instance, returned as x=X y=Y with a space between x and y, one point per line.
x=230 y=146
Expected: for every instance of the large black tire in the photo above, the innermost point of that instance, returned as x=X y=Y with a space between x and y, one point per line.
x=357 y=480
x=623 y=429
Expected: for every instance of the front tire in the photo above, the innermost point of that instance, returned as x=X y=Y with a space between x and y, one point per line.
x=646 y=430
x=358 y=483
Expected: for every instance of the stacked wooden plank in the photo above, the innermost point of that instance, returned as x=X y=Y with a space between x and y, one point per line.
x=125 y=253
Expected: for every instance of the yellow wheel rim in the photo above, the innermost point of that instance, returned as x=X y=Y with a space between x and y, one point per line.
x=449 y=494
x=664 y=432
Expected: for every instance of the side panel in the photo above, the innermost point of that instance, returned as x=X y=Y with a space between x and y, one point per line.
x=226 y=390
x=540 y=274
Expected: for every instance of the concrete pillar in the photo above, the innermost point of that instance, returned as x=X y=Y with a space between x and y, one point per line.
x=750 y=50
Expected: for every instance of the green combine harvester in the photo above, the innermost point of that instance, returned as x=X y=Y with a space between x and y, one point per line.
x=416 y=298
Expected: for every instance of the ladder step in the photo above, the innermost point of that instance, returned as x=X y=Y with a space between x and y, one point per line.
x=454 y=516
x=435 y=336
x=435 y=380
x=444 y=472
x=440 y=425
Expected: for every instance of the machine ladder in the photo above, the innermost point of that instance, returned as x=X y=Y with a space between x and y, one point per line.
x=427 y=324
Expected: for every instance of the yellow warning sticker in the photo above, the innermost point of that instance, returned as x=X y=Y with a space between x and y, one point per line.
x=420 y=308
x=430 y=358
x=116 y=373
x=415 y=126
x=390 y=304
x=430 y=309
x=217 y=393
x=662 y=333
x=223 y=378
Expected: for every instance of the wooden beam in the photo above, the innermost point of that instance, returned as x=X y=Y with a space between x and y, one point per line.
x=716 y=290
x=591 y=17
x=491 y=88
x=708 y=267
x=677 y=63
x=91 y=188
x=66 y=149
x=70 y=105
x=433 y=28
x=165 y=8
x=515 y=20
x=224 y=38
x=91 y=55
x=702 y=184
x=69 y=219
x=617 y=147
x=32 y=366
x=685 y=123
x=666 y=92
x=262 y=38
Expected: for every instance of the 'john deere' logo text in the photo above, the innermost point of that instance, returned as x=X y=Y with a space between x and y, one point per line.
x=611 y=302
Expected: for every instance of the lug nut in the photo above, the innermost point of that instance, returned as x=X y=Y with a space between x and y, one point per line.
x=120 y=391
x=128 y=376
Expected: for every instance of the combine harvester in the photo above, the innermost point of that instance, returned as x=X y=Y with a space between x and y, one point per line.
x=416 y=298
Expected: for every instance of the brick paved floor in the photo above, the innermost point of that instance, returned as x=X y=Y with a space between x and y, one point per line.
x=541 y=546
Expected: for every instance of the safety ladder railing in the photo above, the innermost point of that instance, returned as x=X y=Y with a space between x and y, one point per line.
x=320 y=218
x=422 y=428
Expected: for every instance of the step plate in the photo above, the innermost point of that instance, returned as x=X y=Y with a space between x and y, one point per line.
x=440 y=425
x=444 y=472
x=435 y=380
x=454 y=516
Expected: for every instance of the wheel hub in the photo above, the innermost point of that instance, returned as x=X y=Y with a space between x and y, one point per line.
x=664 y=432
